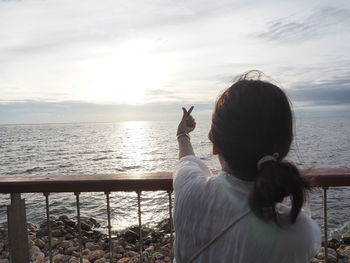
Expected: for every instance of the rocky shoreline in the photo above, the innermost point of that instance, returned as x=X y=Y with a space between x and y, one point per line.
x=157 y=244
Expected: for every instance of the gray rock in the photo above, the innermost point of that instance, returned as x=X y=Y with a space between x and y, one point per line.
x=85 y=226
x=69 y=222
x=63 y=217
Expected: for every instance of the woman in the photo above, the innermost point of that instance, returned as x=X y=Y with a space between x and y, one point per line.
x=238 y=215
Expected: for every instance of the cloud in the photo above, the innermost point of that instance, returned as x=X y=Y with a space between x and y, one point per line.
x=294 y=29
x=333 y=92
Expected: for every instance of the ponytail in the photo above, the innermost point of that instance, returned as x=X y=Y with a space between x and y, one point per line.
x=274 y=182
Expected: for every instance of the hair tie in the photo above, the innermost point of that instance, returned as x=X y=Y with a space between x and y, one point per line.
x=268 y=158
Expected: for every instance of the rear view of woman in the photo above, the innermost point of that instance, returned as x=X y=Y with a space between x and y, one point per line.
x=237 y=215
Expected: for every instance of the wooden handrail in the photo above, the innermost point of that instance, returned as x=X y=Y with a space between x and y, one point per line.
x=321 y=177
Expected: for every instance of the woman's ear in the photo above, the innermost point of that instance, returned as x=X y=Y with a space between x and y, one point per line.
x=215 y=150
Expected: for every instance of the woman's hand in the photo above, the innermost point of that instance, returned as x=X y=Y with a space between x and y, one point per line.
x=187 y=123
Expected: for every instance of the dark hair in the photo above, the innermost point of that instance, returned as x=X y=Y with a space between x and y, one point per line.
x=252 y=119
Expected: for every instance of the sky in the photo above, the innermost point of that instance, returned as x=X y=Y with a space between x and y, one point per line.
x=112 y=60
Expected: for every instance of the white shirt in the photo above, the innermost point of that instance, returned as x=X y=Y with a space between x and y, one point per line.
x=206 y=204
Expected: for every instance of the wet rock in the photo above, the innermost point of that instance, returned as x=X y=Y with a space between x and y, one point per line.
x=85 y=252
x=69 y=222
x=63 y=217
x=85 y=226
x=4 y=260
x=96 y=254
x=94 y=222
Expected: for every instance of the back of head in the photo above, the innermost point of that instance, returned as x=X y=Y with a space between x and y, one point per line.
x=253 y=119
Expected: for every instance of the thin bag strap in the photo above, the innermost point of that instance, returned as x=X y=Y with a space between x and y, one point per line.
x=236 y=220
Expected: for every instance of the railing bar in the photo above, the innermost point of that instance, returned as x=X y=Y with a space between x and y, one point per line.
x=48 y=224
x=325 y=217
x=140 y=224
x=109 y=227
x=171 y=225
x=79 y=226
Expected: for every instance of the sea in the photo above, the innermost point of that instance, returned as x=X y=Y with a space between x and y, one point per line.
x=151 y=146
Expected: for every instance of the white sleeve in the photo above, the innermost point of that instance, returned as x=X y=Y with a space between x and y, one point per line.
x=187 y=168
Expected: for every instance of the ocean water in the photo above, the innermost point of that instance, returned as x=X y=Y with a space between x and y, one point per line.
x=132 y=147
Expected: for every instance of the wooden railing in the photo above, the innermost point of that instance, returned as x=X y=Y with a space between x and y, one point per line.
x=107 y=183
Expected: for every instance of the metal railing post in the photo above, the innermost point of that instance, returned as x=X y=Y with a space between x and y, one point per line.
x=325 y=217
x=171 y=225
x=109 y=227
x=79 y=226
x=140 y=224
x=48 y=224
x=17 y=229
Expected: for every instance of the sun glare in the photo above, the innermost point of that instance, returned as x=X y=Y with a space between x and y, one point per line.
x=127 y=74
